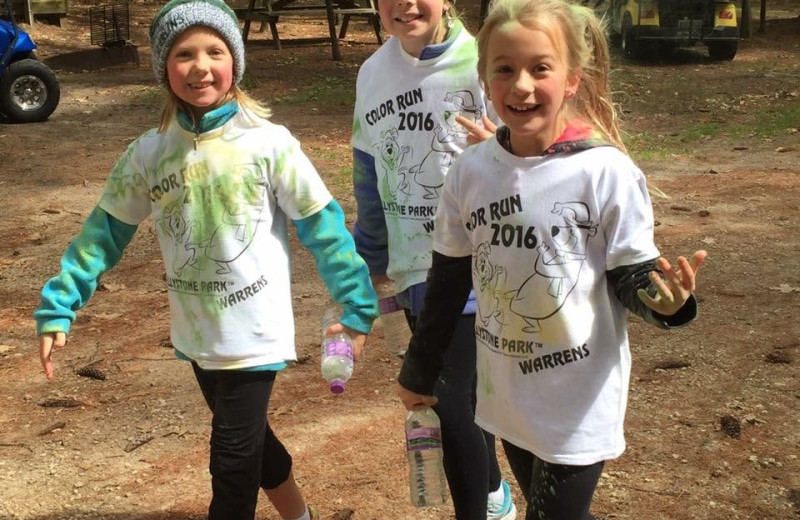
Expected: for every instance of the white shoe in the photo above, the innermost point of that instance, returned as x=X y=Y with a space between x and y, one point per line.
x=504 y=510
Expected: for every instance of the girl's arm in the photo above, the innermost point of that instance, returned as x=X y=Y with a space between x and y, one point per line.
x=344 y=272
x=658 y=293
x=369 y=232
x=449 y=282
x=96 y=249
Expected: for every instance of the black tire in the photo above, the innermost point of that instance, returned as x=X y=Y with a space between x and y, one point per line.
x=723 y=51
x=29 y=91
x=630 y=47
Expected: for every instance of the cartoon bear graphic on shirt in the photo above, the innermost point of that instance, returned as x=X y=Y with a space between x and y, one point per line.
x=557 y=267
x=428 y=172
x=231 y=211
x=391 y=157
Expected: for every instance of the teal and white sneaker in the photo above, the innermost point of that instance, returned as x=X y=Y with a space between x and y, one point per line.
x=504 y=510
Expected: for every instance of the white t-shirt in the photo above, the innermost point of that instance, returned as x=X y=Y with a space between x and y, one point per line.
x=220 y=202
x=553 y=361
x=405 y=117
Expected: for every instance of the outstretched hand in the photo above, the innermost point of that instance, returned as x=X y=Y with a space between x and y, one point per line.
x=413 y=401
x=48 y=342
x=477 y=133
x=678 y=285
x=358 y=338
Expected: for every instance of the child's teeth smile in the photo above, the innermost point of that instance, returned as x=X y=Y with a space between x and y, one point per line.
x=523 y=108
x=200 y=85
x=408 y=18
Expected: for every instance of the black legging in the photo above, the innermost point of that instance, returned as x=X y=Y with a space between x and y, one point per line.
x=470 y=458
x=553 y=491
x=245 y=454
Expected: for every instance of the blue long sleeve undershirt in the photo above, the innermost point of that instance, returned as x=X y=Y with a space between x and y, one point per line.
x=96 y=249
x=369 y=232
x=345 y=274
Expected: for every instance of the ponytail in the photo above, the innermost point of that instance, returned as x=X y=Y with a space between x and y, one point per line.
x=593 y=99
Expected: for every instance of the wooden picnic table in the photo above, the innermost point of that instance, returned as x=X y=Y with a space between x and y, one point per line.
x=270 y=12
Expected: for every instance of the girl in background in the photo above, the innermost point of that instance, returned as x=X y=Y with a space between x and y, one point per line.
x=409 y=95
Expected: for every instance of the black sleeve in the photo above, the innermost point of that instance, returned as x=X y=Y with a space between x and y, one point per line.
x=448 y=285
x=626 y=280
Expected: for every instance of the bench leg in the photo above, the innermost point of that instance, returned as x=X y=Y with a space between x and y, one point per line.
x=376 y=26
x=273 y=27
x=245 y=31
x=337 y=55
x=343 y=29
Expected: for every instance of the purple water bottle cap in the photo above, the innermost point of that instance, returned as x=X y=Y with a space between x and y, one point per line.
x=337 y=386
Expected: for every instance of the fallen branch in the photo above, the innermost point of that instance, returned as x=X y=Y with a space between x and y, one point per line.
x=53 y=427
x=138 y=443
x=16 y=445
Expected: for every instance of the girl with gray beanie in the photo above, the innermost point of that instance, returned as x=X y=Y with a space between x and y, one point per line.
x=220 y=182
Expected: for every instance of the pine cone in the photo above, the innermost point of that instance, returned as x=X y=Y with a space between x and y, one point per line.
x=92 y=372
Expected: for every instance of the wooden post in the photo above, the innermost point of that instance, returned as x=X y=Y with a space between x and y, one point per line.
x=29 y=8
x=763 y=22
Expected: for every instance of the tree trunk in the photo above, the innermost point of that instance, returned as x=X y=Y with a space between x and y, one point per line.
x=746 y=26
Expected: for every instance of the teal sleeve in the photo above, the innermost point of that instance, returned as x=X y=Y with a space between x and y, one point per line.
x=344 y=272
x=96 y=249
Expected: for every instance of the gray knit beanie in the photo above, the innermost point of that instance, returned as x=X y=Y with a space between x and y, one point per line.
x=179 y=15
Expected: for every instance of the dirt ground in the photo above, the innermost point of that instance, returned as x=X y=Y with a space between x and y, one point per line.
x=713 y=425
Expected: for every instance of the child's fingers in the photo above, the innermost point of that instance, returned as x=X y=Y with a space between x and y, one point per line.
x=665 y=293
x=698 y=258
x=359 y=340
x=673 y=276
x=47 y=344
x=647 y=299
x=687 y=274
x=688 y=269
x=477 y=133
x=414 y=401
x=335 y=328
x=46 y=353
x=470 y=125
x=489 y=125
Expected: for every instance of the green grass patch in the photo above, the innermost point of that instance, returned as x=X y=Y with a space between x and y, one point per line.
x=330 y=91
x=767 y=123
x=151 y=96
x=772 y=122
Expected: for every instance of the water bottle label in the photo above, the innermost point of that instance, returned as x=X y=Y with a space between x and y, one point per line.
x=388 y=305
x=338 y=348
x=418 y=439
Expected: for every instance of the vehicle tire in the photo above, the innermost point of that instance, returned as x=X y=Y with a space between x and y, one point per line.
x=723 y=51
x=29 y=91
x=630 y=47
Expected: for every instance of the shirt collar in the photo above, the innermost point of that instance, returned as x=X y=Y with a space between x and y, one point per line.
x=577 y=136
x=210 y=120
x=437 y=49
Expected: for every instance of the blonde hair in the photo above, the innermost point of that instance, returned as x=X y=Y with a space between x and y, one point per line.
x=173 y=103
x=449 y=15
x=583 y=45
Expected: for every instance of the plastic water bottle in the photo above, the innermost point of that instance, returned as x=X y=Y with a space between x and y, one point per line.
x=427 y=481
x=337 y=353
x=396 y=333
